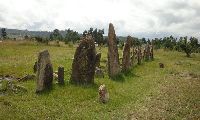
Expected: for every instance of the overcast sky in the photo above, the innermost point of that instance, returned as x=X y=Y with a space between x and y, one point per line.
x=148 y=18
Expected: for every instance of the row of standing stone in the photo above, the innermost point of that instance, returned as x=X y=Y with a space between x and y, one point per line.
x=86 y=59
x=129 y=57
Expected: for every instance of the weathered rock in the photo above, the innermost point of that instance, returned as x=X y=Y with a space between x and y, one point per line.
x=11 y=86
x=126 y=61
x=26 y=77
x=161 y=65
x=98 y=60
x=99 y=72
x=133 y=56
x=83 y=67
x=152 y=54
x=113 y=55
x=139 y=55
x=147 y=54
x=55 y=75
x=61 y=75
x=144 y=54
x=44 y=71
x=35 y=67
x=103 y=94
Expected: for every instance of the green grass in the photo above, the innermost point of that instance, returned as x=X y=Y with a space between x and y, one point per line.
x=145 y=92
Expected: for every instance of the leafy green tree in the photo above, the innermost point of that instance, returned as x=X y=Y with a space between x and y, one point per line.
x=186 y=46
x=72 y=36
x=56 y=35
x=194 y=43
x=157 y=43
x=149 y=42
x=90 y=31
x=143 y=40
x=97 y=34
x=84 y=33
x=3 y=33
x=167 y=43
x=137 y=42
x=99 y=38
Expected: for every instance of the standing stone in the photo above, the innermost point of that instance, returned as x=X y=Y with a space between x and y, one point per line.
x=103 y=94
x=144 y=53
x=35 y=67
x=139 y=55
x=133 y=56
x=152 y=57
x=83 y=66
x=126 y=60
x=161 y=65
x=44 y=71
x=61 y=75
x=98 y=59
x=113 y=55
x=147 y=52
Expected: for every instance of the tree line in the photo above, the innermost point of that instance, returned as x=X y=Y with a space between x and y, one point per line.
x=185 y=44
x=69 y=36
x=182 y=44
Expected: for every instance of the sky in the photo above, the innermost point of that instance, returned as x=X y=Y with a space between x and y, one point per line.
x=139 y=18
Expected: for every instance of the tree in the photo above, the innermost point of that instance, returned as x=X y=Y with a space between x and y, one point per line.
x=84 y=33
x=186 y=46
x=99 y=37
x=167 y=43
x=143 y=40
x=3 y=33
x=56 y=35
x=137 y=42
x=194 y=44
x=157 y=43
x=90 y=31
x=97 y=34
x=71 y=36
x=26 y=37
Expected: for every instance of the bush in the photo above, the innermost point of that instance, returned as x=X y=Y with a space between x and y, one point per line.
x=42 y=40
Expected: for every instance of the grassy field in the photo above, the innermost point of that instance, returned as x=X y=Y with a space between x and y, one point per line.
x=146 y=92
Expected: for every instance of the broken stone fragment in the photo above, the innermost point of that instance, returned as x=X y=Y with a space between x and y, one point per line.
x=103 y=94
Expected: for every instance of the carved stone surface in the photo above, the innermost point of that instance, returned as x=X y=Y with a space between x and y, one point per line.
x=44 y=71
x=147 y=54
x=113 y=56
x=151 y=51
x=98 y=60
x=139 y=55
x=126 y=61
x=83 y=67
x=133 y=56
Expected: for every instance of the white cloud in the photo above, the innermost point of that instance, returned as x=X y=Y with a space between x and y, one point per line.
x=130 y=17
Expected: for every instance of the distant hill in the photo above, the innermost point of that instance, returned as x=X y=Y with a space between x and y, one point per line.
x=15 y=33
x=19 y=34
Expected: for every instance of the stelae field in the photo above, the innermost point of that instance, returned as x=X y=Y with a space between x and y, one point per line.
x=145 y=92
